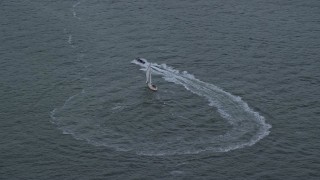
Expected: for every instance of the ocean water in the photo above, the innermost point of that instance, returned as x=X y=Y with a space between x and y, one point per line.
x=238 y=89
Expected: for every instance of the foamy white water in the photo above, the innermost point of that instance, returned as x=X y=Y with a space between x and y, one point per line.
x=151 y=137
x=232 y=108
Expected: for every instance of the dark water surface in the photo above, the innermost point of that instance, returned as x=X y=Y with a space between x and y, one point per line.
x=238 y=98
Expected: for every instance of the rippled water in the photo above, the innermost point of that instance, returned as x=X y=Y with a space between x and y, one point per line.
x=238 y=90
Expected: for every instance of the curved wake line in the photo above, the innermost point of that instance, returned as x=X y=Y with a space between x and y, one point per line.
x=246 y=128
x=53 y=112
x=232 y=108
x=74 y=9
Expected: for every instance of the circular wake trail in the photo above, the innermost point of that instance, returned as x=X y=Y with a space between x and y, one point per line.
x=112 y=123
x=248 y=126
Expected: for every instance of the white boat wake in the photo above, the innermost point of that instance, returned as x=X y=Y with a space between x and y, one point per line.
x=128 y=125
x=248 y=126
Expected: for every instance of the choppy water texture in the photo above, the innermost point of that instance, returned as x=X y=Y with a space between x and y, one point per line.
x=238 y=90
